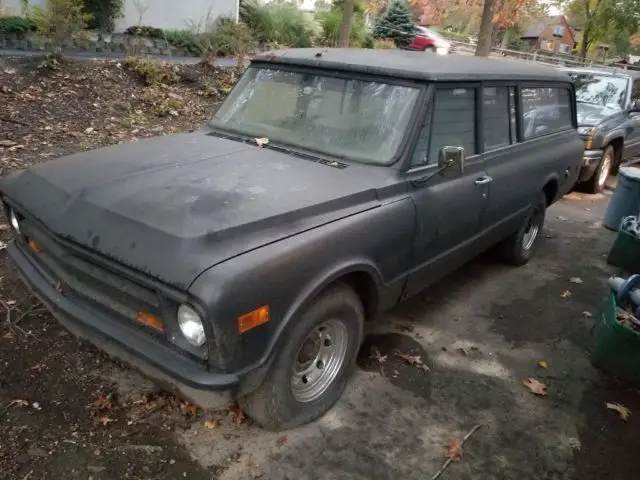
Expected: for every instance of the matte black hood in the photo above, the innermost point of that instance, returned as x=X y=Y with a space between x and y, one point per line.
x=174 y=206
x=590 y=114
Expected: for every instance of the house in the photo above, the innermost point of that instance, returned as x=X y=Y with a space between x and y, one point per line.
x=168 y=14
x=551 y=34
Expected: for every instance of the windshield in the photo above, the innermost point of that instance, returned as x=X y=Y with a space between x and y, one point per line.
x=605 y=90
x=360 y=120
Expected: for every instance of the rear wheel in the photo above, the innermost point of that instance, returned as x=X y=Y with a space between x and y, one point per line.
x=312 y=368
x=519 y=247
x=599 y=179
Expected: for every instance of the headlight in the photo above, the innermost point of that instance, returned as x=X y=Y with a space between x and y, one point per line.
x=14 y=221
x=191 y=325
x=587 y=131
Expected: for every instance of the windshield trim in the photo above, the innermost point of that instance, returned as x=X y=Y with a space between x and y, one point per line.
x=390 y=80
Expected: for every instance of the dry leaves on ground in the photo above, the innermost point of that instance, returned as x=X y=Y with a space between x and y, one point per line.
x=542 y=364
x=536 y=387
x=575 y=280
x=376 y=355
x=262 y=141
x=105 y=420
x=237 y=415
x=18 y=403
x=454 y=450
x=281 y=441
x=211 y=424
x=405 y=327
x=623 y=411
x=189 y=409
x=414 y=360
x=566 y=294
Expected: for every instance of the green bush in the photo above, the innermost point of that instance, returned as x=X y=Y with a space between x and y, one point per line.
x=145 y=31
x=16 y=25
x=152 y=72
x=182 y=39
x=104 y=13
x=280 y=23
x=59 y=23
x=397 y=24
x=330 y=23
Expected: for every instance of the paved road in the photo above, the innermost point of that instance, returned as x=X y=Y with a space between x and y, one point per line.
x=220 y=62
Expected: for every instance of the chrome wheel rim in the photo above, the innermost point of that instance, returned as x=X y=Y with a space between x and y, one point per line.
x=604 y=171
x=531 y=232
x=319 y=360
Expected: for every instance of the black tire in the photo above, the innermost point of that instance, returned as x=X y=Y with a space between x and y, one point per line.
x=598 y=180
x=273 y=405
x=515 y=250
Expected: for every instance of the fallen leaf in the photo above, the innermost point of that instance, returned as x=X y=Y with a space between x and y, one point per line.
x=262 y=141
x=587 y=314
x=454 y=450
x=561 y=218
x=105 y=420
x=623 y=411
x=536 y=387
x=542 y=364
x=211 y=424
x=101 y=403
x=375 y=355
x=89 y=130
x=414 y=360
x=281 y=441
x=18 y=403
x=36 y=405
x=238 y=415
x=405 y=327
x=189 y=409
x=566 y=294
x=575 y=280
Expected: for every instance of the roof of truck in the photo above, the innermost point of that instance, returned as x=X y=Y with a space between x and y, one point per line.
x=412 y=64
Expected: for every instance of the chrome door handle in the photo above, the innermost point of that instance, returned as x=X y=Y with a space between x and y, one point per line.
x=483 y=180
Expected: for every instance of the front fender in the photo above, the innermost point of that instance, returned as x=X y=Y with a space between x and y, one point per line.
x=288 y=274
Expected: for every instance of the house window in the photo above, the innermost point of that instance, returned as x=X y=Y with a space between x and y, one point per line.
x=547 y=45
x=564 y=48
x=558 y=30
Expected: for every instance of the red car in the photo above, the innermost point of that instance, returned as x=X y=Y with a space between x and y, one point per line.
x=427 y=40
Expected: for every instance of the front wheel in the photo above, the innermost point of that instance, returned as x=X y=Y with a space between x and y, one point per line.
x=519 y=247
x=312 y=367
x=597 y=182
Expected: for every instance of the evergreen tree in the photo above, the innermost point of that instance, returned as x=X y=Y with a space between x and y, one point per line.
x=397 y=24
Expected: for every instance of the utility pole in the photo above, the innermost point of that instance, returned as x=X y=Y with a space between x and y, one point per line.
x=486 y=30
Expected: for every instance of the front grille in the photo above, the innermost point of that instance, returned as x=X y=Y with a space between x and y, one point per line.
x=76 y=275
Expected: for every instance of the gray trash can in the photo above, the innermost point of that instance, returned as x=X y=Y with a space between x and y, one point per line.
x=625 y=200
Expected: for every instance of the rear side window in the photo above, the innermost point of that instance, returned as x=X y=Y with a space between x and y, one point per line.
x=545 y=110
x=454 y=121
x=495 y=117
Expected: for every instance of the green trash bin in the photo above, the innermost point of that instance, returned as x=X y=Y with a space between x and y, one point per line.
x=617 y=347
x=625 y=253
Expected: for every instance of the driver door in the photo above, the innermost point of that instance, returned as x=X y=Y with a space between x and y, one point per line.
x=449 y=204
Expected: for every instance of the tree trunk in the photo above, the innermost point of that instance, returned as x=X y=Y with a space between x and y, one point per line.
x=347 y=20
x=486 y=26
x=584 y=45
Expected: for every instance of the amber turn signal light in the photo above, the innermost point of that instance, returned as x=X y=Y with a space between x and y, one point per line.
x=150 y=321
x=34 y=246
x=253 y=319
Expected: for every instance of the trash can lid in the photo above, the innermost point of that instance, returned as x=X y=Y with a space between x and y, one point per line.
x=632 y=173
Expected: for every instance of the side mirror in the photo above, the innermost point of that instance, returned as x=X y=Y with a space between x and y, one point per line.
x=451 y=159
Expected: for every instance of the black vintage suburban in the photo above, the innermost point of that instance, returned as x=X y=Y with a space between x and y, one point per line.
x=608 y=121
x=242 y=261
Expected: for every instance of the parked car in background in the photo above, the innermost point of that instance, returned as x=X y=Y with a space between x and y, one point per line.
x=242 y=261
x=427 y=40
x=608 y=104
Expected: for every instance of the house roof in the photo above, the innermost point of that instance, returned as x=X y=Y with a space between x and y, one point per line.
x=411 y=64
x=535 y=30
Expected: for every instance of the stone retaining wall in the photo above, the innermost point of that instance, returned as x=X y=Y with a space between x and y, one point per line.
x=100 y=43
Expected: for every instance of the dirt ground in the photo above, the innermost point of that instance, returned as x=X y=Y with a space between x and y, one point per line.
x=67 y=411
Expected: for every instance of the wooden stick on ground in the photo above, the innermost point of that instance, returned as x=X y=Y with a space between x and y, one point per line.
x=448 y=461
